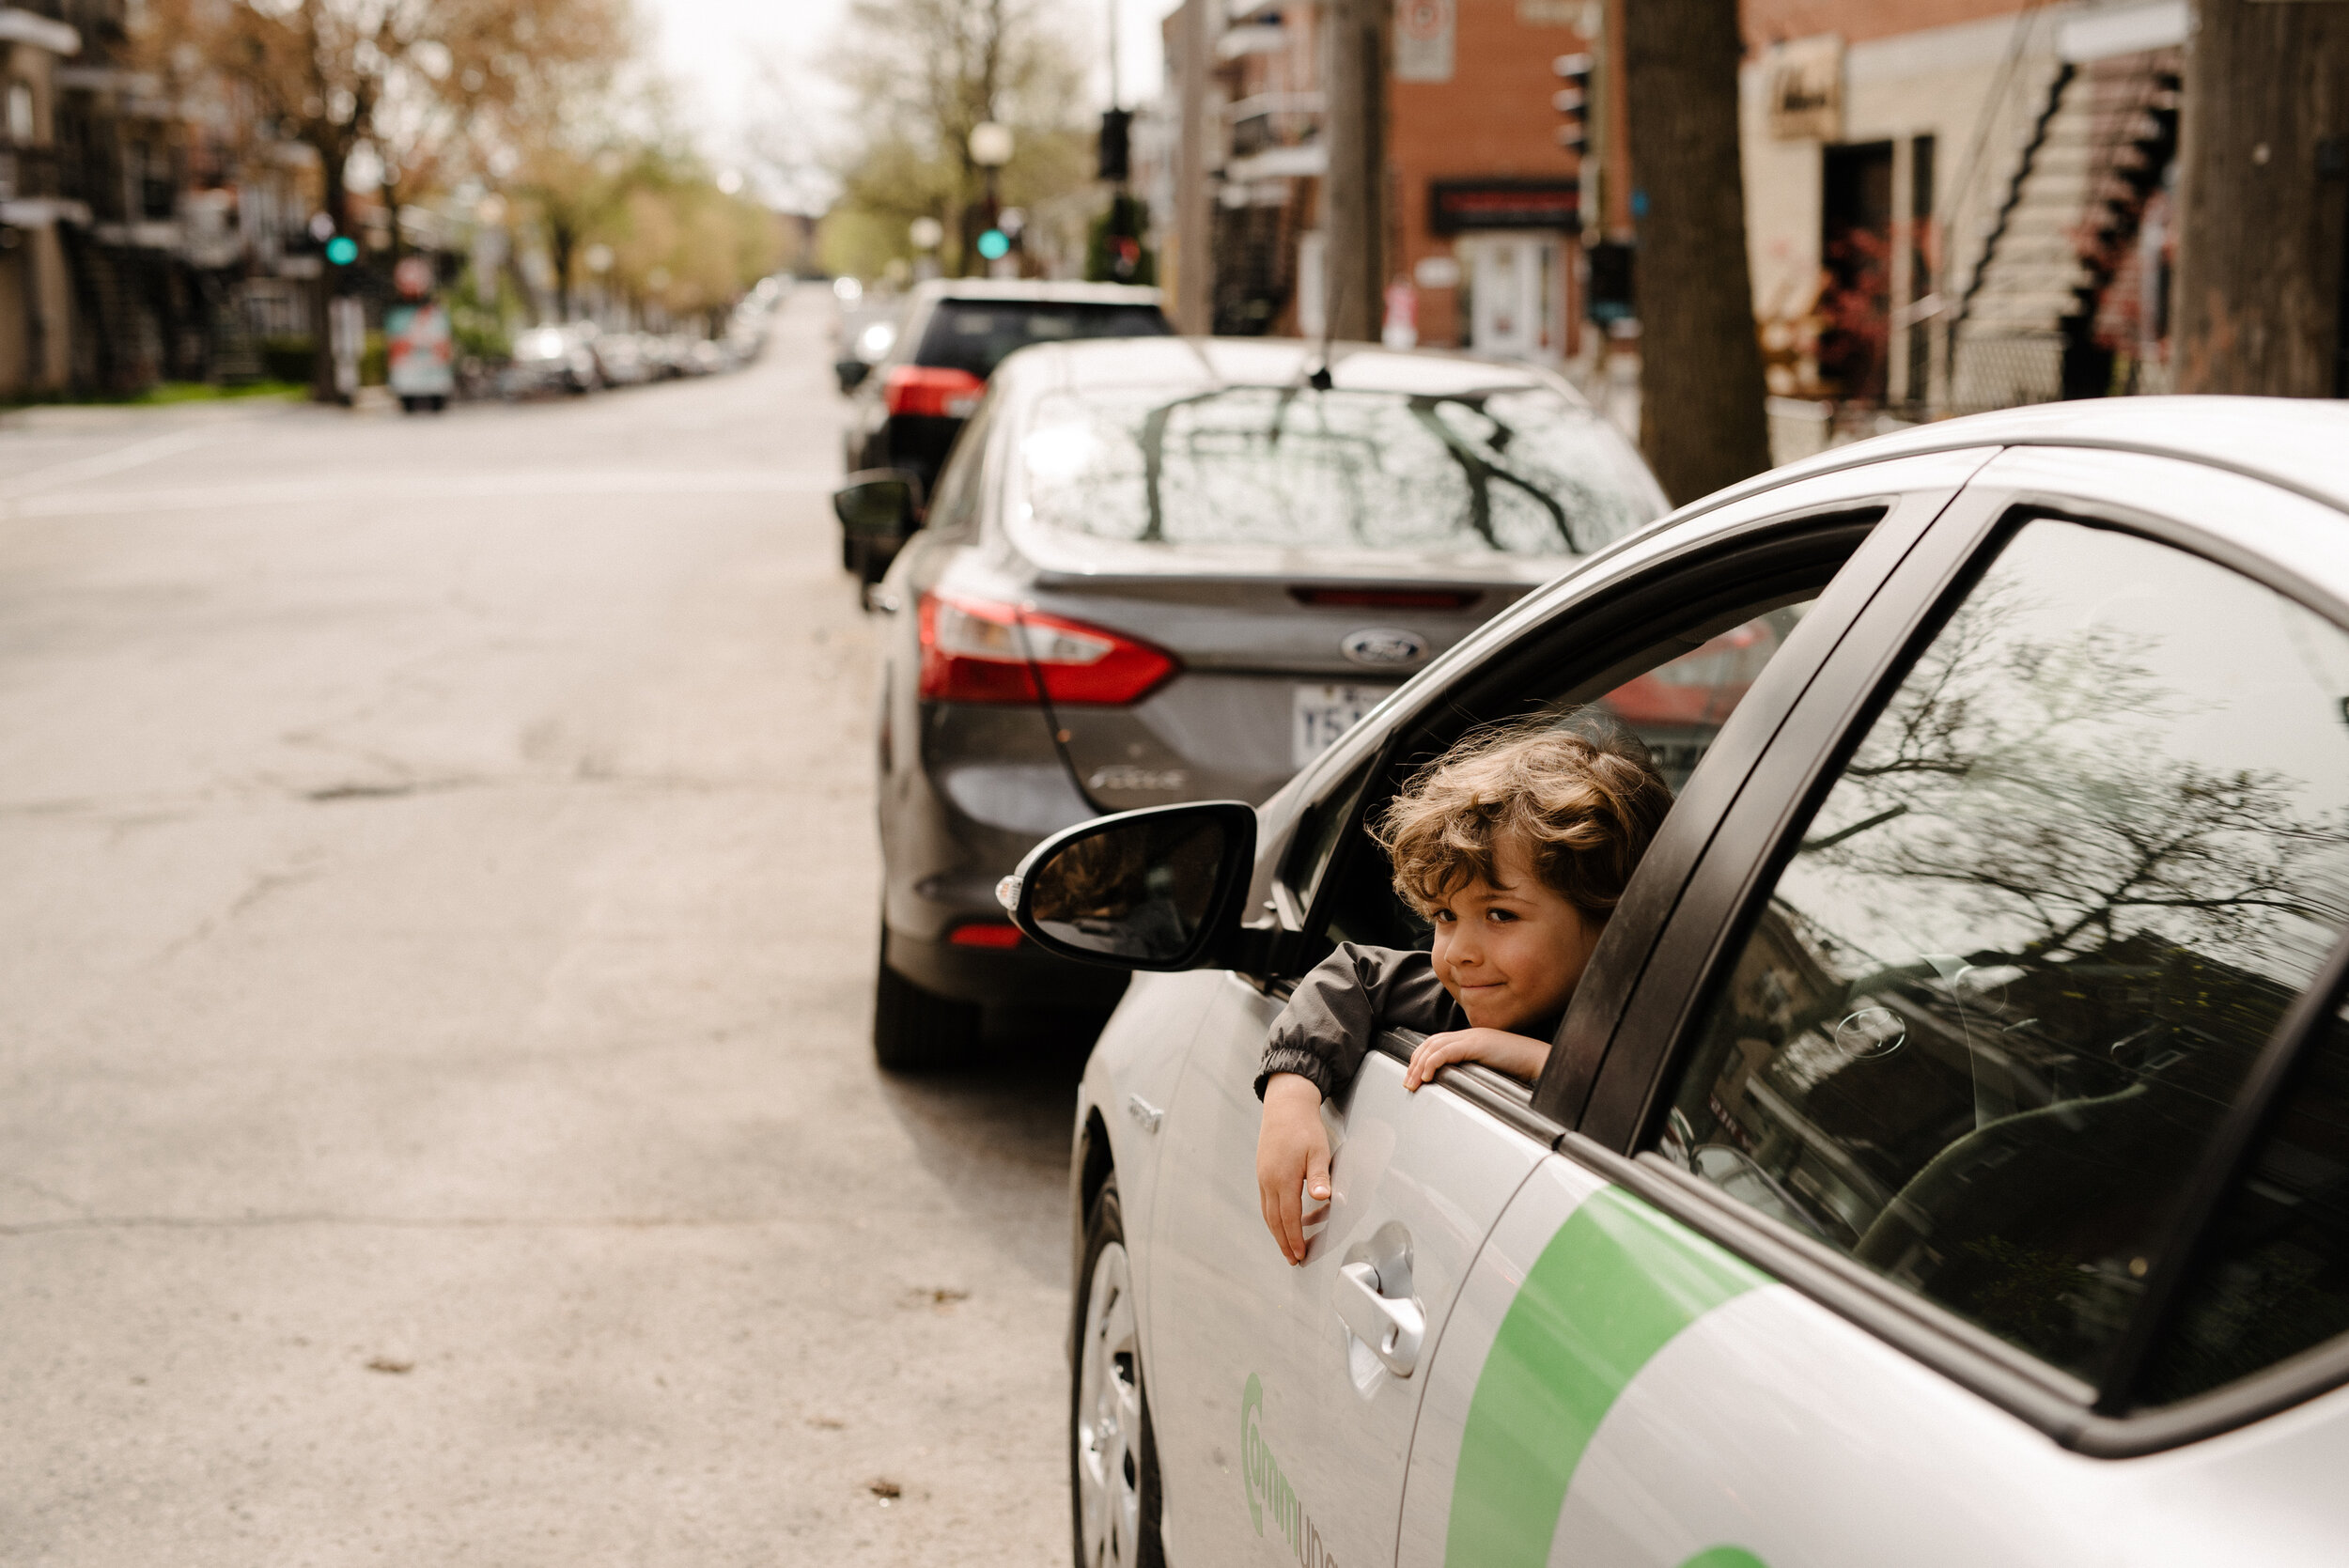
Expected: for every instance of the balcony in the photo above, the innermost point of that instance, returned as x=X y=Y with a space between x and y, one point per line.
x=1268 y=121
x=27 y=173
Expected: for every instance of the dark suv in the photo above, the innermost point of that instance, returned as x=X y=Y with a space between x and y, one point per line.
x=951 y=334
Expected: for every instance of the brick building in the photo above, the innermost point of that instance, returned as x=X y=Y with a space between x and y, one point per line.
x=1484 y=207
x=1950 y=204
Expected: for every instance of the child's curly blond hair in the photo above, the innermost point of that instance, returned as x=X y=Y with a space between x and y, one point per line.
x=1581 y=795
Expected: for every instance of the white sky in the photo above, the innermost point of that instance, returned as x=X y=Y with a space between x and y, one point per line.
x=718 y=52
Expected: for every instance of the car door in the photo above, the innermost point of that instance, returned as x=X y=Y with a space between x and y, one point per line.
x=1284 y=1399
x=1961 y=1179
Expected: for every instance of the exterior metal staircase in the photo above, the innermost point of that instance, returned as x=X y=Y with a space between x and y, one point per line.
x=2025 y=330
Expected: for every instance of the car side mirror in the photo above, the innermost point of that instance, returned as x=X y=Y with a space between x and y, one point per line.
x=852 y=373
x=1156 y=889
x=881 y=504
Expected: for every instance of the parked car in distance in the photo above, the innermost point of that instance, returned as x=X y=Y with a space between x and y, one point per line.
x=626 y=358
x=937 y=353
x=1169 y=570
x=552 y=358
x=864 y=329
x=1944 y=1159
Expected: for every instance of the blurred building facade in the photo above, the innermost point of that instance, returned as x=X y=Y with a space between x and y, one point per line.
x=1952 y=204
x=144 y=237
x=1956 y=205
x=1484 y=206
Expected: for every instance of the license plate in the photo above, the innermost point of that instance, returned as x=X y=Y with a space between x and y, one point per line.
x=1324 y=712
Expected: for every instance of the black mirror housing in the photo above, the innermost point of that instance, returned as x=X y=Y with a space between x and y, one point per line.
x=1155 y=889
x=883 y=504
x=851 y=374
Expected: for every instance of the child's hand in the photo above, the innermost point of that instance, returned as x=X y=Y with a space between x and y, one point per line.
x=1518 y=1055
x=1292 y=1152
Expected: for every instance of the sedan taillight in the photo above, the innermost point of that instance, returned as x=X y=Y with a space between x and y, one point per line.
x=927 y=389
x=977 y=650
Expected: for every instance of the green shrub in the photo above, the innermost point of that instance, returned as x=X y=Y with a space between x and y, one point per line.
x=289 y=359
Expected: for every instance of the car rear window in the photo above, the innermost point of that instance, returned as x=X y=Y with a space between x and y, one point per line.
x=974 y=336
x=1518 y=470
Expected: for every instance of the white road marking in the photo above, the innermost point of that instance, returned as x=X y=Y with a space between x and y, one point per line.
x=348 y=487
x=99 y=465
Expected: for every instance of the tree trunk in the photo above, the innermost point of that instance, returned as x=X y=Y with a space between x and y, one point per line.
x=1355 y=79
x=1193 y=216
x=2265 y=199
x=1702 y=420
x=561 y=240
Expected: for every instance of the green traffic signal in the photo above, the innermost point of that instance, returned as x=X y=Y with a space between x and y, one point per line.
x=342 y=250
x=994 y=243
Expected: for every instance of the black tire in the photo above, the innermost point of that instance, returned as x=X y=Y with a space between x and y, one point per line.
x=1135 y=1463
x=917 y=1031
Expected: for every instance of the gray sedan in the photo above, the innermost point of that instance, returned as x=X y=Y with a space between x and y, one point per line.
x=1159 y=570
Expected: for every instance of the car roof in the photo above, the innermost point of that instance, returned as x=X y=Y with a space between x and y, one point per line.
x=1209 y=363
x=1035 y=289
x=2298 y=444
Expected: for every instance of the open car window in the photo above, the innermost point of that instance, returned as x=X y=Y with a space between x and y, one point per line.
x=1673 y=692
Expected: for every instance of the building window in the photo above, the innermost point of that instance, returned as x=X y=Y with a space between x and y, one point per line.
x=21 y=113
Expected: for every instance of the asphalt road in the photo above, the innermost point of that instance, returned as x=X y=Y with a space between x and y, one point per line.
x=436 y=915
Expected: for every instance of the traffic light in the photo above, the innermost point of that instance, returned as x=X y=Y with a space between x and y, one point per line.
x=1573 y=100
x=1117 y=160
x=342 y=250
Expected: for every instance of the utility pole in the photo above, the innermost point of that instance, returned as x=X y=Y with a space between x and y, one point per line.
x=1354 y=83
x=1194 y=264
x=2262 y=284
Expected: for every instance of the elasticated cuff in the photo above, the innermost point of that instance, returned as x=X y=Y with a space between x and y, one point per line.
x=1293 y=1059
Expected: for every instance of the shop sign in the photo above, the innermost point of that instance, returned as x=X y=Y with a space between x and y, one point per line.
x=1806 y=88
x=1423 y=31
x=1456 y=205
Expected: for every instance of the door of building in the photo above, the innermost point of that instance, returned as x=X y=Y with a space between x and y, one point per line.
x=1514 y=299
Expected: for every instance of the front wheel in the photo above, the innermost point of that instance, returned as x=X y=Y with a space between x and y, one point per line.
x=1113 y=1459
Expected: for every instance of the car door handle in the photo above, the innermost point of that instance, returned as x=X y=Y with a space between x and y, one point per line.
x=1392 y=1327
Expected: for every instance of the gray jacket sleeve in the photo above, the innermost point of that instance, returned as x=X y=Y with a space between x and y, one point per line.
x=1338 y=1009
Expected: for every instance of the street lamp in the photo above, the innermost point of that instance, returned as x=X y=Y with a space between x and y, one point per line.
x=990 y=144
x=991 y=150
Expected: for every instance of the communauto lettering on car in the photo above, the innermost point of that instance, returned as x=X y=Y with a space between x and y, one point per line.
x=1269 y=1490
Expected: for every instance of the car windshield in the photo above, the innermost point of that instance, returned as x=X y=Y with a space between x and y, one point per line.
x=1517 y=470
x=974 y=336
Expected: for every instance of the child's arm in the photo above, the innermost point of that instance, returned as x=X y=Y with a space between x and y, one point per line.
x=1315 y=1048
x=1292 y=1155
x=1520 y=1056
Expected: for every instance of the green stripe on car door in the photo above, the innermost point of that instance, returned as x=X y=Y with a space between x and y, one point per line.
x=1614 y=1286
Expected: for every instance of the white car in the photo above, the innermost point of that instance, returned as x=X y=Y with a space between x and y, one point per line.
x=1946 y=1157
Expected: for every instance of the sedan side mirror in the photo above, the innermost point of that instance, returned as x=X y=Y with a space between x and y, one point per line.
x=1156 y=889
x=852 y=373
x=878 y=505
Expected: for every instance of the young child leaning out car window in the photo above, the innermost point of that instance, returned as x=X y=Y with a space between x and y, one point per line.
x=1515 y=844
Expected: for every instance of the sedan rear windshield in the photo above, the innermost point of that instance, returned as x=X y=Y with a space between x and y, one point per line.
x=1518 y=470
x=974 y=336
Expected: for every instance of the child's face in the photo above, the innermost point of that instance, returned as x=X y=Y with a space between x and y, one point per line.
x=1510 y=951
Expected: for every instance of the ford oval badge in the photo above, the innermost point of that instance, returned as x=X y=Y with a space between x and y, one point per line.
x=1384 y=645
